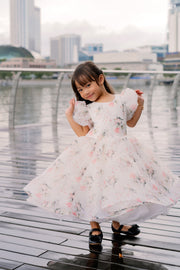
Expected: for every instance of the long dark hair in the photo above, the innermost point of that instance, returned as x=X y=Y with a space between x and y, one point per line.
x=87 y=72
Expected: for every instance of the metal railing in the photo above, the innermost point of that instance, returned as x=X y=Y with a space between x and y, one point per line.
x=18 y=71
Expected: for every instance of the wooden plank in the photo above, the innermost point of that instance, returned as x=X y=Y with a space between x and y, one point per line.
x=41 y=245
x=9 y=264
x=155 y=254
x=164 y=239
x=36 y=211
x=170 y=267
x=46 y=220
x=173 y=211
x=32 y=235
x=153 y=233
x=30 y=267
x=161 y=227
x=21 y=249
x=168 y=218
x=29 y=216
x=163 y=222
x=22 y=258
x=45 y=226
x=12 y=201
x=149 y=243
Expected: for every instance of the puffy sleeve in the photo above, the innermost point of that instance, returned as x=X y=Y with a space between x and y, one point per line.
x=130 y=100
x=81 y=114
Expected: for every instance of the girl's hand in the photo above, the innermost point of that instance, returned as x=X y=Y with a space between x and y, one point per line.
x=139 y=92
x=140 y=100
x=70 y=109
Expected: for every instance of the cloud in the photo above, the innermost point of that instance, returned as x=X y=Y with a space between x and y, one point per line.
x=83 y=28
x=129 y=37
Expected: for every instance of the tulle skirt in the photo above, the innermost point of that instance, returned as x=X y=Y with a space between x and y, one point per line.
x=106 y=179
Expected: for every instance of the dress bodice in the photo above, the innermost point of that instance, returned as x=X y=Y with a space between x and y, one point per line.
x=107 y=118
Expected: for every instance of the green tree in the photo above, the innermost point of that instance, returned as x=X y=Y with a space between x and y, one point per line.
x=5 y=75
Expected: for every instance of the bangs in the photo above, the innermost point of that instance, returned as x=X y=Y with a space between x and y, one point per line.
x=83 y=79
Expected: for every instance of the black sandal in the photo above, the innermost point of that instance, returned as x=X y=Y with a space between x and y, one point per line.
x=95 y=239
x=133 y=231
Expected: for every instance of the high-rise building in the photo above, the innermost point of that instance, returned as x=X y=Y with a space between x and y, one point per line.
x=93 y=48
x=174 y=26
x=65 y=49
x=25 y=28
x=160 y=50
x=89 y=50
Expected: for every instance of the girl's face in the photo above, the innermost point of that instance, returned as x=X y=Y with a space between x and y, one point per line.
x=91 y=90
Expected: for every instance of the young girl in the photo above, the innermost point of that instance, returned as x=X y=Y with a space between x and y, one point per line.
x=105 y=174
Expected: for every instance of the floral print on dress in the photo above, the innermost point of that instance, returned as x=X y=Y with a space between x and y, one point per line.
x=106 y=175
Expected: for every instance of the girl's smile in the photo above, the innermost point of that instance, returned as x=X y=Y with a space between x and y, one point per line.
x=90 y=96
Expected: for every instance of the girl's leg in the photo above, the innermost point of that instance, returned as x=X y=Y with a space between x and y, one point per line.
x=96 y=235
x=95 y=225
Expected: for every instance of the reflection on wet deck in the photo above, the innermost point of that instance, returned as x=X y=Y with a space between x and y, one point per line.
x=32 y=239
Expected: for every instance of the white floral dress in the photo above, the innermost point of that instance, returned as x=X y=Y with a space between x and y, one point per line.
x=106 y=175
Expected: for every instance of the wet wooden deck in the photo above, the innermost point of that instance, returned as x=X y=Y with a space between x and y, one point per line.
x=30 y=238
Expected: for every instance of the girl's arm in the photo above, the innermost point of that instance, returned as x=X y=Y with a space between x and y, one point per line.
x=133 y=121
x=78 y=129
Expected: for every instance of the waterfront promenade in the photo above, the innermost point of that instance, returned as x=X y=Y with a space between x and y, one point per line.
x=30 y=237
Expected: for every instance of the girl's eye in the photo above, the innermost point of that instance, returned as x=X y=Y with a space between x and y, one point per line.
x=79 y=90
x=88 y=84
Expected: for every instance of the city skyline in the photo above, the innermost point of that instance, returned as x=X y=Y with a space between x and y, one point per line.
x=143 y=24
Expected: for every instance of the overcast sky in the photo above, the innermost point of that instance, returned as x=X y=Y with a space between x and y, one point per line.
x=118 y=24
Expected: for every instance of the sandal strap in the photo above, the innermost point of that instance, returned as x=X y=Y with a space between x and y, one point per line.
x=134 y=228
x=95 y=230
x=95 y=239
x=119 y=229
